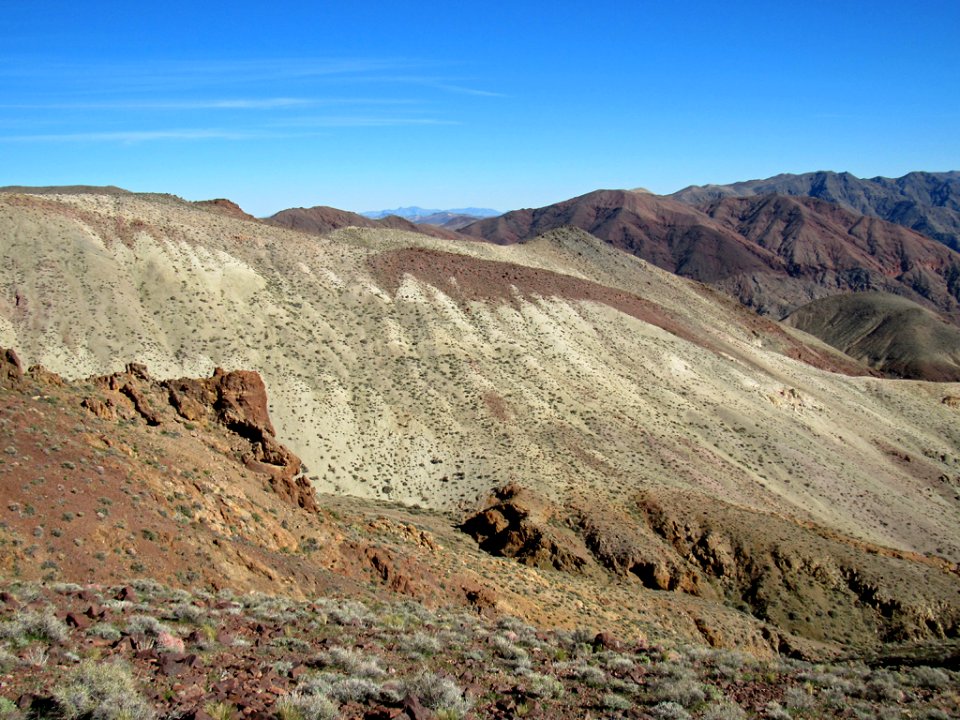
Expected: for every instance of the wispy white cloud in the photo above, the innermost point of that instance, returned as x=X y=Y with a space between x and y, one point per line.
x=359 y=121
x=135 y=136
x=292 y=128
x=208 y=104
x=173 y=76
x=180 y=74
x=465 y=90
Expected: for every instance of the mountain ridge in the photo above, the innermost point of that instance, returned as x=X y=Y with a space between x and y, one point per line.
x=773 y=253
x=926 y=202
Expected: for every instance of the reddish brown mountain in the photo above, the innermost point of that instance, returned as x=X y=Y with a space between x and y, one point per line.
x=321 y=219
x=669 y=234
x=773 y=253
x=836 y=250
x=923 y=201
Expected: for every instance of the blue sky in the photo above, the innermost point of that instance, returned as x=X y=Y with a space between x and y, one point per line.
x=505 y=105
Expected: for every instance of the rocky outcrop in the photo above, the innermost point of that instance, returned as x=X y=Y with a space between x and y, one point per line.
x=236 y=400
x=11 y=371
x=805 y=583
x=514 y=526
x=620 y=545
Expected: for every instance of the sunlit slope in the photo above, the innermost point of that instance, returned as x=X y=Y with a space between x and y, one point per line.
x=427 y=371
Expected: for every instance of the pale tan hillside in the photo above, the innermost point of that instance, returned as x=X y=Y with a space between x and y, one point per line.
x=428 y=371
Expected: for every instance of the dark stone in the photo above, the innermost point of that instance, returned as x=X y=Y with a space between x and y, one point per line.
x=78 y=621
x=415 y=710
x=127 y=593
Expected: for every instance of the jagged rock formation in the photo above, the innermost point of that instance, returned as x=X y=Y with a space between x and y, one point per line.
x=515 y=526
x=804 y=581
x=236 y=400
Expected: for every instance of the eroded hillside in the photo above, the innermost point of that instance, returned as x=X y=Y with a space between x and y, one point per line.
x=428 y=371
x=699 y=470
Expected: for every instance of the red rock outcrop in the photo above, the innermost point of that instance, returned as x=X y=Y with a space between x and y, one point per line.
x=11 y=371
x=236 y=400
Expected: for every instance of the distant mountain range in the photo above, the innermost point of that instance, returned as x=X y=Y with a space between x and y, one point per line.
x=923 y=201
x=772 y=252
x=413 y=212
x=454 y=218
x=321 y=219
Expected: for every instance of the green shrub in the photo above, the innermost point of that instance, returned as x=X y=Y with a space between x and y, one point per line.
x=723 y=711
x=101 y=691
x=612 y=701
x=437 y=692
x=28 y=626
x=929 y=677
x=669 y=711
x=545 y=686
x=297 y=706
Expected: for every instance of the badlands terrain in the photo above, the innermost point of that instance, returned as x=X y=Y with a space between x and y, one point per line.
x=554 y=430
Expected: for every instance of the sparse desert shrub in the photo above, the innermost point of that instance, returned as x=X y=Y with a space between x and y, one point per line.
x=28 y=626
x=419 y=644
x=883 y=687
x=146 y=586
x=186 y=612
x=774 y=711
x=346 y=612
x=7 y=659
x=297 y=706
x=36 y=656
x=580 y=670
x=220 y=710
x=723 y=711
x=101 y=691
x=438 y=693
x=508 y=651
x=669 y=711
x=545 y=686
x=145 y=625
x=350 y=662
x=685 y=691
x=355 y=689
x=290 y=643
x=796 y=698
x=105 y=631
x=340 y=688
x=615 y=662
x=9 y=710
x=578 y=641
x=612 y=701
x=929 y=677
